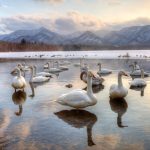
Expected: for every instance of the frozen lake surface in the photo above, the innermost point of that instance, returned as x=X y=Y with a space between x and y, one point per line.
x=134 y=54
x=36 y=123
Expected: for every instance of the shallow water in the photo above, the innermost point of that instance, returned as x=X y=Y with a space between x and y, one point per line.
x=41 y=123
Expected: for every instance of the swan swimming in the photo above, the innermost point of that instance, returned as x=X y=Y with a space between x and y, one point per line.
x=79 y=98
x=103 y=71
x=137 y=72
x=37 y=79
x=118 y=91
x=45 y=74
x=19 y=81
x=95 y=80
x=138 y=82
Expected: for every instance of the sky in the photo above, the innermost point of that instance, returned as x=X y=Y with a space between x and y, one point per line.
x=68 y=16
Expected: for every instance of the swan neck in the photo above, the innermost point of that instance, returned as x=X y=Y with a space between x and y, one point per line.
x=89 y=85
x=32 y=74
x=142 y=74
x=100 y=67
x=19 y=72
x=119 y=80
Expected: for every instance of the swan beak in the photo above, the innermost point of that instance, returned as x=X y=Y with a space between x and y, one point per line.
x=127 y=75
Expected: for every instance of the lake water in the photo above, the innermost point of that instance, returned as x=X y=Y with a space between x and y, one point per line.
x=30 y=123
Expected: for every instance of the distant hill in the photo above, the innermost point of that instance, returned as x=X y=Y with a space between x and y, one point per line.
x=135 y=37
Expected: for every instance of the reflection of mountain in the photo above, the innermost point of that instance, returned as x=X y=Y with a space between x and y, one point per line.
x=19 y=98
x=96 y=88
x=119 y=106
x=79 y=119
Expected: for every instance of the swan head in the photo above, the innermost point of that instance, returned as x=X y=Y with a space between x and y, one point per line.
x=123 y=73
x=31 y=67
x=99 y=64
x=90 y=74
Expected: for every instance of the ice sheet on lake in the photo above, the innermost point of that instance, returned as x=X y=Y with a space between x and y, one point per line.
x=78 y=54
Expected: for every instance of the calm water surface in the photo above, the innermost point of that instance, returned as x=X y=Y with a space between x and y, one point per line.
x=40 y=123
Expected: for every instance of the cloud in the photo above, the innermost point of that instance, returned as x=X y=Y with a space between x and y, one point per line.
x=71 y=22
x=50 y=1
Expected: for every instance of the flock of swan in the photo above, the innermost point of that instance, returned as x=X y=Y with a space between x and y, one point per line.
x=79 y=98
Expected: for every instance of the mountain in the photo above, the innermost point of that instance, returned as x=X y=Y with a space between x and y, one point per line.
x=129 y=36
x=41 y=35
x=136 y=35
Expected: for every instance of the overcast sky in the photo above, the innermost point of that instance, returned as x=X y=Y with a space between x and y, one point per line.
x=67 y=16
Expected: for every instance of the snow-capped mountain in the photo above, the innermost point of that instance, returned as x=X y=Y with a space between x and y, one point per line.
x=136 y=35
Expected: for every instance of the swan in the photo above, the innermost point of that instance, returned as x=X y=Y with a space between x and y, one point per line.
x=46 y=66
x=53 y=69
x=79 y=119
x=79 y=98
x=137 y=72
x=138 y=82
x=37 y=79
x=95 y=80
x=44 y=74
x=118 y=91
x=103 y=71
x=84 y=68
x=63 y=68
x=19 y=81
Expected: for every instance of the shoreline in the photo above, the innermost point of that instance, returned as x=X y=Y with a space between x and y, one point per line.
x=105 y=54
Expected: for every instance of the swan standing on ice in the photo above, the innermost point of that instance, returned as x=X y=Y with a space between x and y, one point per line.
x=103 y=71
x=118 y=91
x=139 y=82
x=44 y=74
x=95 y=80
x=18 y=81
x=37 y=79
x=79 y=98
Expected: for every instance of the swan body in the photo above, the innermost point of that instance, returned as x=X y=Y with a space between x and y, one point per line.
x=18 y=81
x=138 y=82
x=136 y=71
x=79 y=98
x=95 y=80
x=44 y=74
x=103 y=71
x=37 y=79
x=53 y=69
x=63 y=68
x=118 y=91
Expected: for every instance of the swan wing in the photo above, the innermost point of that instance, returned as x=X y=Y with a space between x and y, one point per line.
x=76 y=98
x=138 y=82
x=40 y=79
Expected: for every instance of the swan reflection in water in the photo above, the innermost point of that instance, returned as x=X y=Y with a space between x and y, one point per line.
x=120 y=107
x=141 y=89
x=19 y=98
x=96 y=88
x=79 y=119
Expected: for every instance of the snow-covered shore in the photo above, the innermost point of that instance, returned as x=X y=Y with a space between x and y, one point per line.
x=107 y=54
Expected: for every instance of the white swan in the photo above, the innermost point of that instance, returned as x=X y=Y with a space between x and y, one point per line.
x=44 y=74
x=118 y=91
x=84 y=68
x=53 y=69
x=138 y=82
x=137 y=72
x=63 y=68
x=79 y=98
x=18 y=81
x=95 y=80
x=103 y=71
x=46 y=66
x=37 y=79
